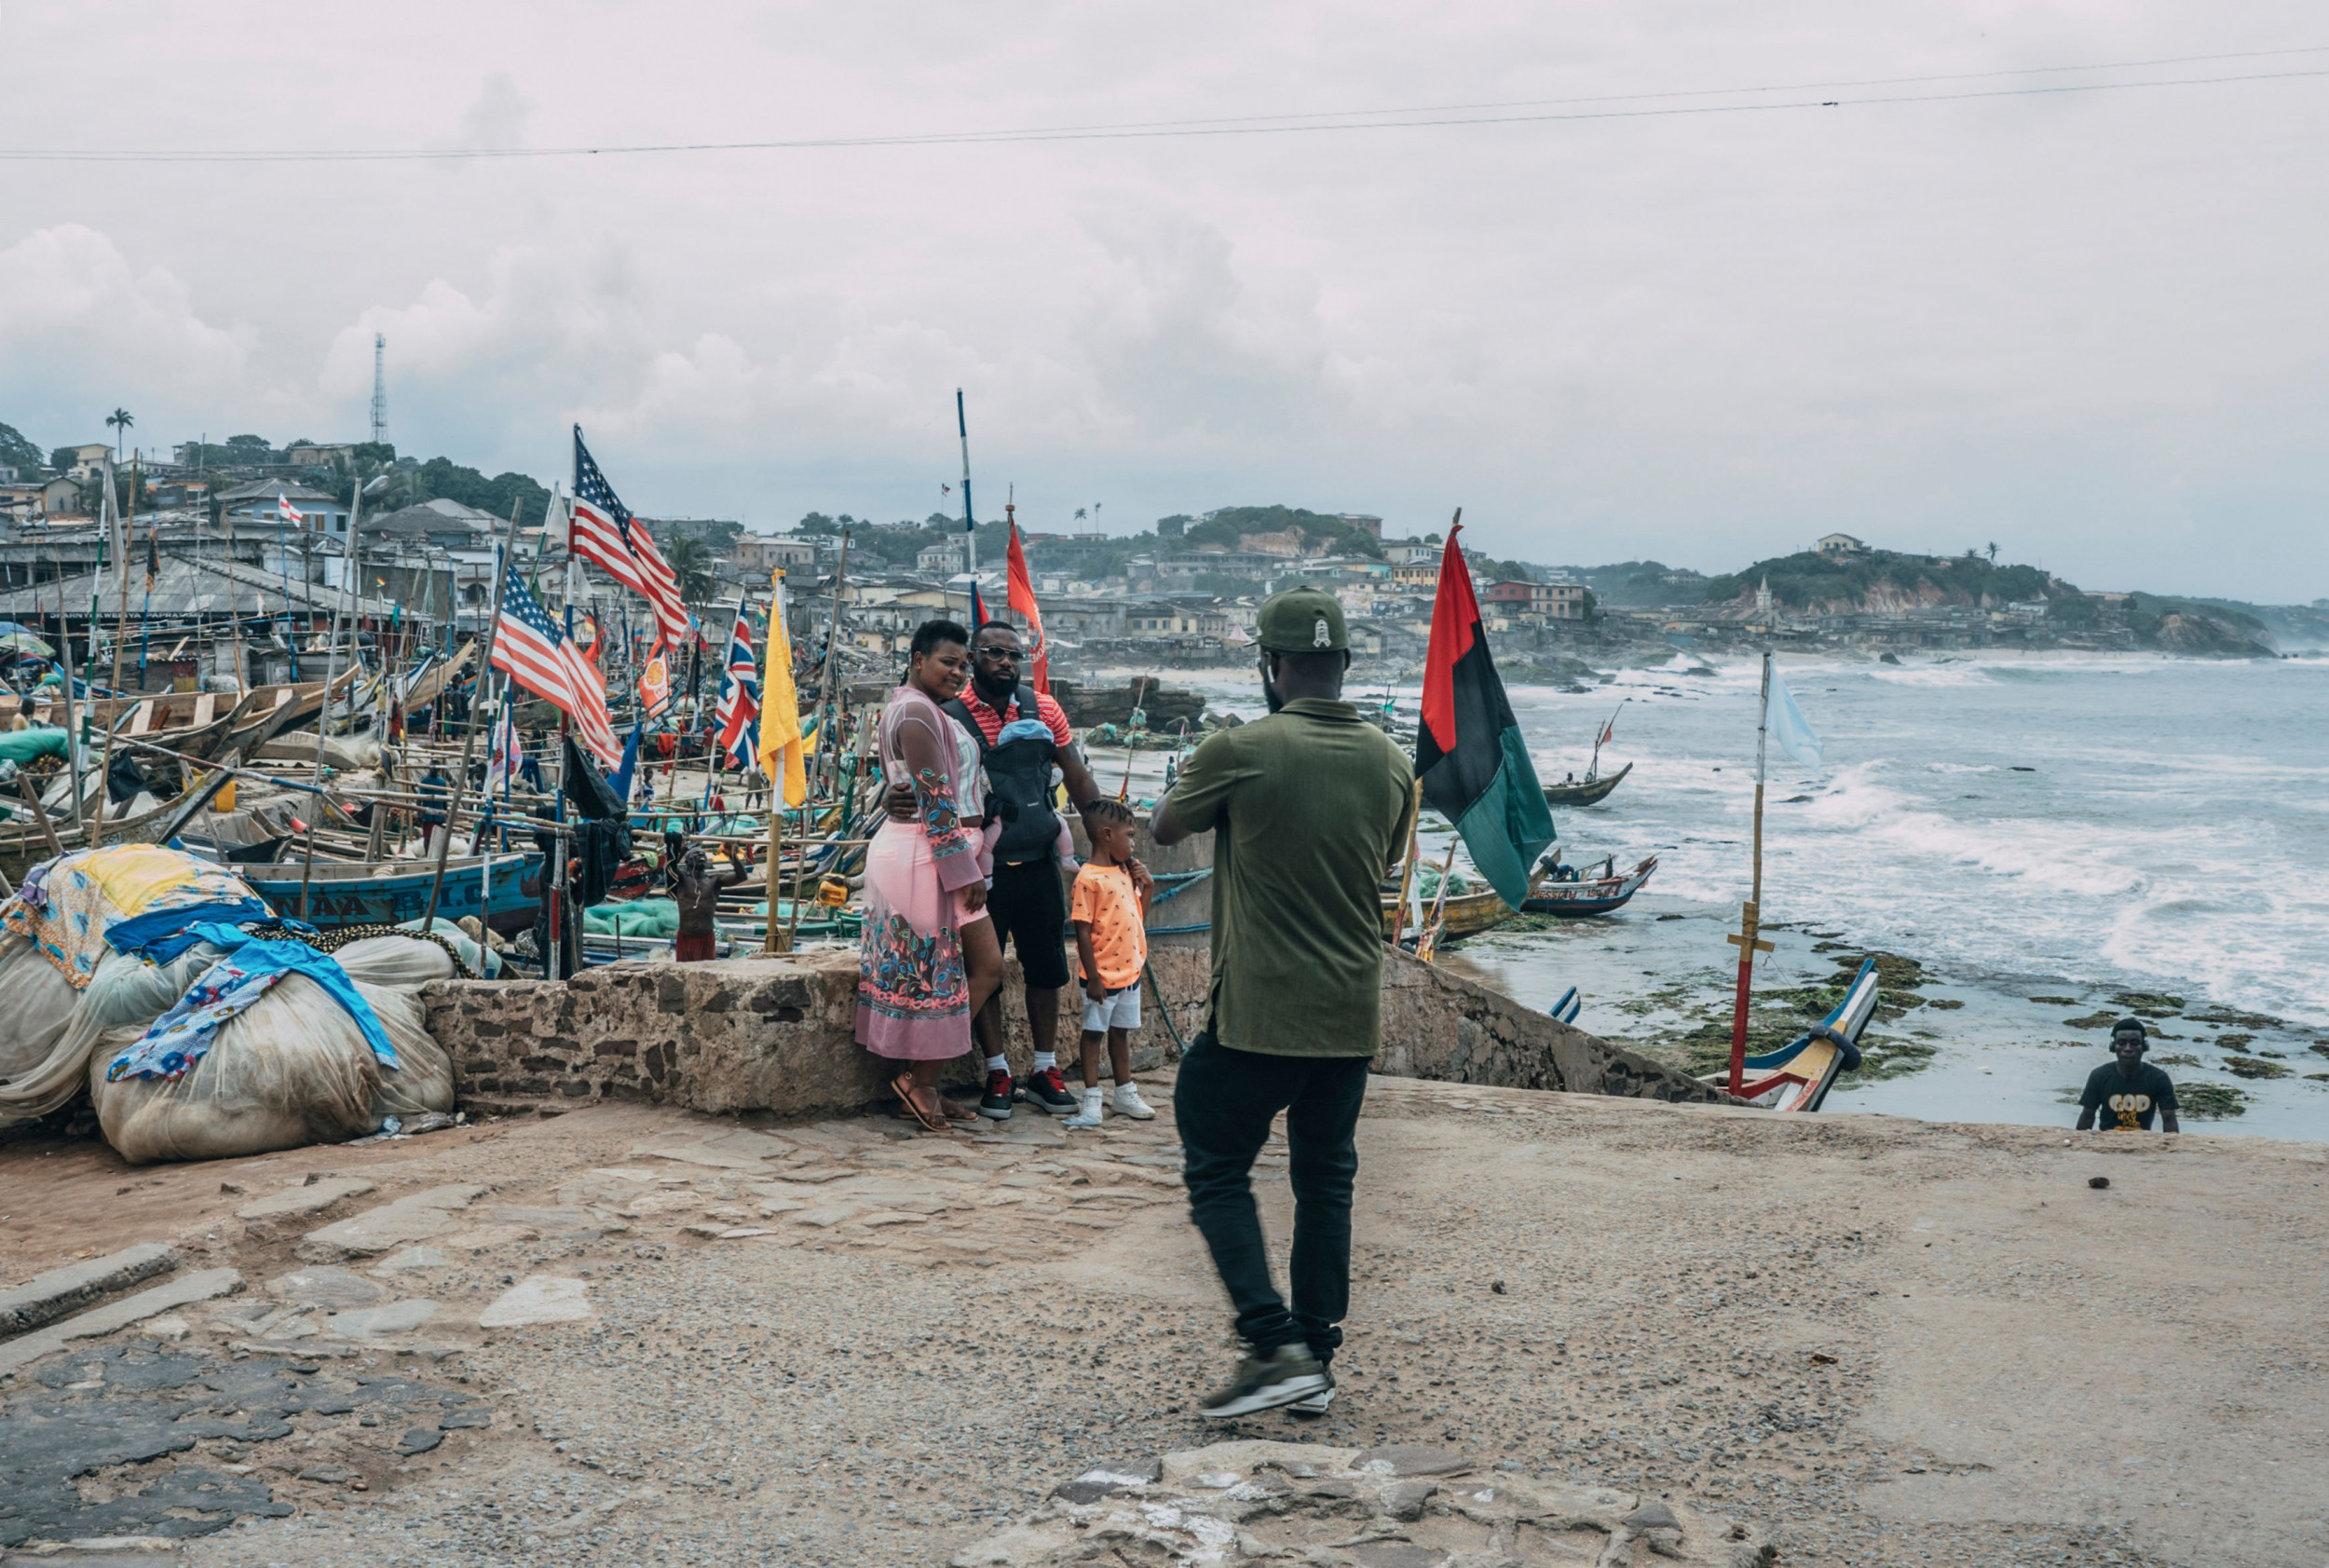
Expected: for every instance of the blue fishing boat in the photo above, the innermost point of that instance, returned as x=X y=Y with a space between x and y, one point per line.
x=506 y=889
x=1798 y=1075
x=1554 y=894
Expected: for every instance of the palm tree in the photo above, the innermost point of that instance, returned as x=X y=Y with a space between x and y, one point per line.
x=691 y=561
x=120 y=419
x=1992 y=552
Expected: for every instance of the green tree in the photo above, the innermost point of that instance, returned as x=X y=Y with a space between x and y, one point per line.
x=120 y=419
x=691 y=561
x=17 y=453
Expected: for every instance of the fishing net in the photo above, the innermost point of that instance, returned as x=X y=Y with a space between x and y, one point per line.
x=292 y=1069
x=286 y=1062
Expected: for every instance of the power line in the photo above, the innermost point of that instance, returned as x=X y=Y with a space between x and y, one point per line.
x=1408 y=118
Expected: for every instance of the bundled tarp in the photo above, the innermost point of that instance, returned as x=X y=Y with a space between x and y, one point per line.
x=202 y=1025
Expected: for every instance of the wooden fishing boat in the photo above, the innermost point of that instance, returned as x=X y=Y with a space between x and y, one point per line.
x=505 y=887
x=278 y=708
x=1798 y=1075
x=1464 y=914
x=1592 y=895
x=431 y=682
x=1590 y=791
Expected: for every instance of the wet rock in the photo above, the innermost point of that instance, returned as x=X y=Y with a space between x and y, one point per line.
x=420 y=1439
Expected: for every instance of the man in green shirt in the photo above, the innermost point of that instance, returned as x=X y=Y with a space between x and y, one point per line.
x=1308 y=809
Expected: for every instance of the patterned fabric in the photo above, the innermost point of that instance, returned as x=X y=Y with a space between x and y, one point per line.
x=71 y=907
x=181 y=1037
x=913 y=995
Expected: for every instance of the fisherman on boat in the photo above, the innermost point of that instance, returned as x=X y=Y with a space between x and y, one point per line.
x=2128 y=1088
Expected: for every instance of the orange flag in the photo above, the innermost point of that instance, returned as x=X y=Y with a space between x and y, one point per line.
x=1019 y=593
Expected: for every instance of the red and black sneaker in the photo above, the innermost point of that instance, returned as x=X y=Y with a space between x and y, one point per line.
x=995 y=1104
x=1046 y=1089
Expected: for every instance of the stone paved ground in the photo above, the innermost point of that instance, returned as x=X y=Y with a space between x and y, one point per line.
x=640 y=1336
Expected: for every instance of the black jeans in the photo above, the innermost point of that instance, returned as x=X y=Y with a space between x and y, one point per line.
x=1224 y=1103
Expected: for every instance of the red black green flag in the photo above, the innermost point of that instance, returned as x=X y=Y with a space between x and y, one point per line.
x=1468 y=753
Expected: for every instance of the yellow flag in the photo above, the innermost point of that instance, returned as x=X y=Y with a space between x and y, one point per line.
x=780 y=708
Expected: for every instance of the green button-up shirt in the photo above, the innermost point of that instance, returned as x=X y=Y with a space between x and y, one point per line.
x=1308 y=809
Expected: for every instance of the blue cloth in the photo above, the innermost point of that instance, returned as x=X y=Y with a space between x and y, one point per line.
x=1788 y=725
x=160 y=936
x=181 y=1037
x=621 y=782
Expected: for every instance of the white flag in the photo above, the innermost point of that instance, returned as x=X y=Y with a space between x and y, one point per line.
x=1787 y=725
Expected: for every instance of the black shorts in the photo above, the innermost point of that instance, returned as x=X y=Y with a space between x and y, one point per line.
x=1030 y=906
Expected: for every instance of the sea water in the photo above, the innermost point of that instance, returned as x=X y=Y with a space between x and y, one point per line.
x=2055 y=827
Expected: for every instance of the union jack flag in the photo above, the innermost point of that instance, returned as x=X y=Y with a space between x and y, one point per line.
x=606 y=535
x=535 y=651
x=740 y=698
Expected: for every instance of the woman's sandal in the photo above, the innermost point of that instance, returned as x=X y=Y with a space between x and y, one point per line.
x=955 y=1111
x=903 y=1086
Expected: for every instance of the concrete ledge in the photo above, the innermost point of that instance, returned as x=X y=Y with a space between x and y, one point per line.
x=48 y=1297
x=185 y=1290
x=777 y=1035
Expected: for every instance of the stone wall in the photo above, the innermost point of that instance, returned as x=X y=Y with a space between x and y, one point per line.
x=775 y=1034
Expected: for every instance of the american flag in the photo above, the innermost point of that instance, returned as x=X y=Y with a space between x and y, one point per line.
x=606 y=535
x=536 y=653
x=740 y=698
x=508 y=755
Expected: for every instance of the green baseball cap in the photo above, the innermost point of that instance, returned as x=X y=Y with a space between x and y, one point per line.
x=1301 y=621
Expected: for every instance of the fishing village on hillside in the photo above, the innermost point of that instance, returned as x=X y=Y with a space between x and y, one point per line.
x=496 y=1061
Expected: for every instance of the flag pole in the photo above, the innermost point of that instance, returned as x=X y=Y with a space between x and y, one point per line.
x=970 y=519
x=469 y=739
x=323 y=714
x=1749 y=918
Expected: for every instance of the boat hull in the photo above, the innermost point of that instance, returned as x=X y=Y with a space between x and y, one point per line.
x=390 y=895
x=1596 y=897
x=1798 y=1075
x=1587 y=794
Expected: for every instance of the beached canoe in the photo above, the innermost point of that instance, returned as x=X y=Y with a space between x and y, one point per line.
x=1467 y=914
x=1587 y=793
x=1596 y=895
x=505 y=887
x=1798 y=1075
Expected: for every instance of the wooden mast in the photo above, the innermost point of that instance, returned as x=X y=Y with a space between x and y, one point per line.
x=1745 y=939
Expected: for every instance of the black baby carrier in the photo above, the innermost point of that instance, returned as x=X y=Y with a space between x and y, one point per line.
x=1018 y=768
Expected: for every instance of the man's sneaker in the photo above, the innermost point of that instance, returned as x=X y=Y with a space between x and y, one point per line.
x=995 y=1104
x=1315 y=1404
x=1266 y=1380
x=1090 y=1115
x=1048 y=1091
x=1129 y=1103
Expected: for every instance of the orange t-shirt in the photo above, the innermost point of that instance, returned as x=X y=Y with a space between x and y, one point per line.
x=1106 y=900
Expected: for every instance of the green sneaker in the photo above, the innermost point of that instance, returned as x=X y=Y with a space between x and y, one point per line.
x=1266 y=1380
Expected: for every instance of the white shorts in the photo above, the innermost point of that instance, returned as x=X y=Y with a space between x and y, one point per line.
x=1122 y=1010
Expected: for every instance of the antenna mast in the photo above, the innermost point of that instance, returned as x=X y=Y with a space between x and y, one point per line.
x=379 y=388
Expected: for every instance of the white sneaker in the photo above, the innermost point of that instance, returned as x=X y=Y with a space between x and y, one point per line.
x=1089 y=1116
x=1129 y=1103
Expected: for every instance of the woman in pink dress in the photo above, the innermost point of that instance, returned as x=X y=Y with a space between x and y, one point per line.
x=929 y=961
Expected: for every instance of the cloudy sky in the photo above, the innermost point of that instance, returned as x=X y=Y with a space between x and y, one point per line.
x=2090 y=327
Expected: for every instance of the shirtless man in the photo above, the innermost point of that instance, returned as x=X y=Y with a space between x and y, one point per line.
x=696 y=890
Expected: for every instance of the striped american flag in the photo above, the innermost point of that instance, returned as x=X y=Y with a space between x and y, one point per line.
x=535 y=652
x=606 y=535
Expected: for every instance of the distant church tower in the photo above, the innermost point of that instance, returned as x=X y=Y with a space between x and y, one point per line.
x=1762 y=598
x=379 y=388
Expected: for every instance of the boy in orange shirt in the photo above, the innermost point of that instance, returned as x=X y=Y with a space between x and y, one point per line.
x=1110 y=910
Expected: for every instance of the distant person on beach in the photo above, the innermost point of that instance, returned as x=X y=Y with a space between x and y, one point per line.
x=696 y=889
x=1110 y=910
x=2128 y=1090
x=1309 y=810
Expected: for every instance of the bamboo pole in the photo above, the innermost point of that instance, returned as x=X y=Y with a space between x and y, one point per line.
x=1750 y=918
x=827 y=749
x=331 y=673
x=469 y=739
x=1427 y=937
x=1407 y=866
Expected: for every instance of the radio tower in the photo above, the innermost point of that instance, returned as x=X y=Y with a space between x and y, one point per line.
x=379 y=388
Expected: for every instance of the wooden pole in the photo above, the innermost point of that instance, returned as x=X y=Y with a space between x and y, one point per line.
x=827 y=752
x=469 y=740
x=323 y=714
x=1407 y=866
x=40 y=816
x=1749 y=918
x=72 y=718
x=1427 y=939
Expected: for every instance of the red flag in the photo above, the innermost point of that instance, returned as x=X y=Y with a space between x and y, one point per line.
x=1019 y=593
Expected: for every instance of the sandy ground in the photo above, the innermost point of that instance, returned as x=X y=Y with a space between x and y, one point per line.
x=1886 y=1342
